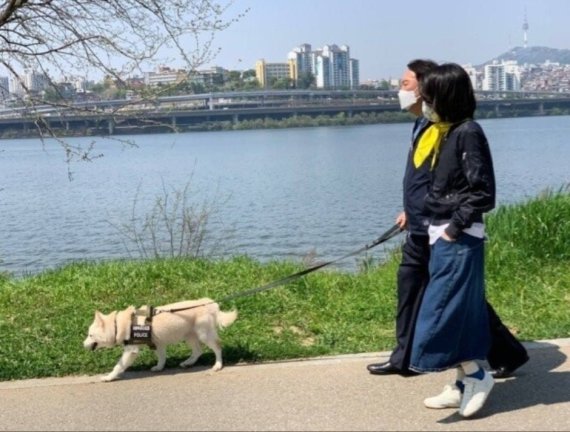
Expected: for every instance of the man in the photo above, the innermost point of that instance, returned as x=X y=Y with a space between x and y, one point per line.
x=506 y=353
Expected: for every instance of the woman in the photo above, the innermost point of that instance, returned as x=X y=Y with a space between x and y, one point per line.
x=452 y=329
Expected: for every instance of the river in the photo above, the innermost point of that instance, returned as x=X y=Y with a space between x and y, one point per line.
x=280 y=194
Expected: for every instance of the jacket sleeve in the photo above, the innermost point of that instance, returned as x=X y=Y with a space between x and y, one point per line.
x=477 y=167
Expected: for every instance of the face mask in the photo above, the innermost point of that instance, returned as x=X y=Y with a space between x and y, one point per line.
x=407 y=98
x=429 y=113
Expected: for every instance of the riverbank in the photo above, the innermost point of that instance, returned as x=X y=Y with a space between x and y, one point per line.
x=121 y=126
x=45 y=317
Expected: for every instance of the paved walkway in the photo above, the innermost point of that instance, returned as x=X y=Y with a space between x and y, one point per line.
x=334 y=393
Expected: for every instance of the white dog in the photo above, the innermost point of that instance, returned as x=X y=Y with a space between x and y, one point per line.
x=194 y=325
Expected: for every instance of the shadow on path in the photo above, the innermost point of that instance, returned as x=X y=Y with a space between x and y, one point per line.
x=536 y=383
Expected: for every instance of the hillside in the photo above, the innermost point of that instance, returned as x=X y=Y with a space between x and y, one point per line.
x=535 y=55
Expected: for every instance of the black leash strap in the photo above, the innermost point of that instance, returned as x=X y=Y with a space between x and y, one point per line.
x=392 y=232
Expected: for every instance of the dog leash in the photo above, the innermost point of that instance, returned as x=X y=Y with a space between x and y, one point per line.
x=392 y=232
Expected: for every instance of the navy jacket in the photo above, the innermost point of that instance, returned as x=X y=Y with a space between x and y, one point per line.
x=416 y=185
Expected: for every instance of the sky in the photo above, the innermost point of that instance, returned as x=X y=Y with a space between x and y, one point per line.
x=384 y=35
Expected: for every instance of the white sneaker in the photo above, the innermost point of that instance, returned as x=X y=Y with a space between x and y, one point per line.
x=475 y=394
x=450 y=397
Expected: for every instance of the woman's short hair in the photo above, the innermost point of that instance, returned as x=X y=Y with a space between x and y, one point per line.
x=448 y=89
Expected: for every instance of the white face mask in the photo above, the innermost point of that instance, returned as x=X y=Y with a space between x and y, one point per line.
x=407 y=98
x=429 y=113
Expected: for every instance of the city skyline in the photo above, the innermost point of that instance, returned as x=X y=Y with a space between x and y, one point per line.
x=385 y=35
x=381 y=34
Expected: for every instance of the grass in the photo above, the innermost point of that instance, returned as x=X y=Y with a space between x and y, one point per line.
x=45 y=317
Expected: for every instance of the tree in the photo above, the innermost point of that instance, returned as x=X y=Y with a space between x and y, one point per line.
x=114 y=38
x=306 y=80
x=281 y=83
x=248 y=74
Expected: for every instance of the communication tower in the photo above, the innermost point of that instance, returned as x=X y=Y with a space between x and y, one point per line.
x=525 y=31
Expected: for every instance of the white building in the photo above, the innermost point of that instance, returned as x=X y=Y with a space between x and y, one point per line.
x=331 y=65
x=4 y=88
x=35 y=81
x=502 y=77
x=300 y=61
x=30 y=81
x=472 y=72
x=354 y=66
x=165 y=75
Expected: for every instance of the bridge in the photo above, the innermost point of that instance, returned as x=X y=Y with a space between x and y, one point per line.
x=184 y=111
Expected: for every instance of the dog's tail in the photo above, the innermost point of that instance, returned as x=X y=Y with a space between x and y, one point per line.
x=226 y=318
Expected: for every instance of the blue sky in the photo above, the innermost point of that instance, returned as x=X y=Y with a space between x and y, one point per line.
x=384 y=34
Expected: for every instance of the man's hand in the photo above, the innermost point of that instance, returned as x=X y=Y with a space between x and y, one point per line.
x=446 y=237
x=402 y=221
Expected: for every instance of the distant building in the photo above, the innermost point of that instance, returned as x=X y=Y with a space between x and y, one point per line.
x=35 y=81
x=4 y=88
x=300 y=61
x=267 y=72
x=30 y=81
x=331 y=66
x=354 y=66
x=165 y=75
x=215 y=76
x=472 y=72
x=502 y=77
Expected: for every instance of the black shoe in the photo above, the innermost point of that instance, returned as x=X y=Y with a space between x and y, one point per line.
x=505 y=371
x=387 y=368
x=501 y=372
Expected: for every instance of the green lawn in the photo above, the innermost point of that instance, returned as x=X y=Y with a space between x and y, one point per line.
x=44 y=318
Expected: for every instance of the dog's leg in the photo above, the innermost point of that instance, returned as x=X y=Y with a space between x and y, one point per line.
x=130 y=353
x=161 y=354
x=194 y=345
x=213 y=342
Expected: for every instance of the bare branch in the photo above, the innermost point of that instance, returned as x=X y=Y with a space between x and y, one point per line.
x=113 y=38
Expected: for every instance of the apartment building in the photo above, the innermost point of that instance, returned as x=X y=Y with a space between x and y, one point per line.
x=504 y=76
x=331 y=65
x=266 y=72
x=165 y=75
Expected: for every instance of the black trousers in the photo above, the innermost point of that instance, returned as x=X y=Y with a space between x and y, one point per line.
x=413 y=277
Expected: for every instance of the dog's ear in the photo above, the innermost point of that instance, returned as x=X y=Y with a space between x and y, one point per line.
x=99 y=318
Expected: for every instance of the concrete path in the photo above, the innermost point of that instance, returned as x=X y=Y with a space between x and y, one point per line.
x=334 y=393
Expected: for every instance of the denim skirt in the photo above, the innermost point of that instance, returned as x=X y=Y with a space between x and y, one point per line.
x=452 y=325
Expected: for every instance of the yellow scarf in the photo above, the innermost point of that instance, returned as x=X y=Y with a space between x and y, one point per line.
x=429 y=143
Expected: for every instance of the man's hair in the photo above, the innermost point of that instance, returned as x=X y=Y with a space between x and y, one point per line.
x=421 y=67
x=448 y=89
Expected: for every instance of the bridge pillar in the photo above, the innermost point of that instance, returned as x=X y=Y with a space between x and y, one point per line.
x=111 y=125
x=497 y=110
x=173 y=122
x=235 y=118
x=541 y=108
x=211 y=103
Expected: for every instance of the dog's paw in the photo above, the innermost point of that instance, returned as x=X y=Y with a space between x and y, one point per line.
x=156 y=368
x=187 y=363
x=217 y=367
x=109 y=378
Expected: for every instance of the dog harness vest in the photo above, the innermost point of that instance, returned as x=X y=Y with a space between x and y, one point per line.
x=141 y=327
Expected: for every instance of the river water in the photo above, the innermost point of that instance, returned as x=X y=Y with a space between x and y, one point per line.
x=280 y=194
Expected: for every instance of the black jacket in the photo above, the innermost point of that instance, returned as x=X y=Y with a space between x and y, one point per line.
x=463 y=180
x=416 y=185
